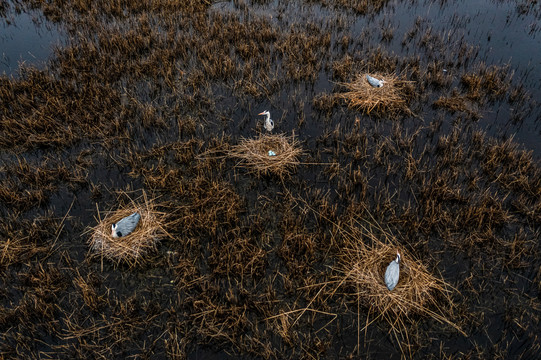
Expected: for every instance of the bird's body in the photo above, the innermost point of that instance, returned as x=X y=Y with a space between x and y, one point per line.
x=269 y=124
x=393 y=273
x=126 y=225
x=374 y=82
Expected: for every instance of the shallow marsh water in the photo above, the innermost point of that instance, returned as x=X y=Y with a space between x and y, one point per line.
x=158 y=112
x=26 y=39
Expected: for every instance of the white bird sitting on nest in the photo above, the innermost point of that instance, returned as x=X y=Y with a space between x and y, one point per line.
x=126 y=225
x=374 y=82
x=269 y=124
x=393 y=272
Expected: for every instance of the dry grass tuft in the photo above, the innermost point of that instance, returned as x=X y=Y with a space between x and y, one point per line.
x=456 y=102
x=254 y=154
x=390 y=99
x=369 y=249
x=131 y=248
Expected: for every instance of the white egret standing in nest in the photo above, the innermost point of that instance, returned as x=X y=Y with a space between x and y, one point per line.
x=269 y=124
x=126 y=225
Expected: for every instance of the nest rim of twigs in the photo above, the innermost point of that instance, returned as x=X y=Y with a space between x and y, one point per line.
x=387 y=100
x=132 y=248
x=369 y=250
x=253 y=154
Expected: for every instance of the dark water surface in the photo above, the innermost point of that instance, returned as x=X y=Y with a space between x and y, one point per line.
x=26 y=38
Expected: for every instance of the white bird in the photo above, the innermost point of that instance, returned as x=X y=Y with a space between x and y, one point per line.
x=269 y=124
x=374 y=82
x=126 y=225
x=393 y=272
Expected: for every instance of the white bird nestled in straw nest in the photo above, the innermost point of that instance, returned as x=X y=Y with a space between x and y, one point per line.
x=393 y=273
x=374 y=82
x=126 y=225
x=269 y=124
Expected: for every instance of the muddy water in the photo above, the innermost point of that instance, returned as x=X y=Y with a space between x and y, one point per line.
x=498 y=32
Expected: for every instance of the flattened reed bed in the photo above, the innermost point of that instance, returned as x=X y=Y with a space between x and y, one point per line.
x=253 y=154
x=389 y=99
x=131 y=248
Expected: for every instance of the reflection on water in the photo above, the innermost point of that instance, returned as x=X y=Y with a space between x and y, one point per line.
x=25 y=38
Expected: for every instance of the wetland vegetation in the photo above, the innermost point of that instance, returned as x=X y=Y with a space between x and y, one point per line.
x=152 y=106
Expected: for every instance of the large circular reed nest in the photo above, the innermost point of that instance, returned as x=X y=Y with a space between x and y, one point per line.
x=253 y=154
x=415 y=292
x=390 y=99
x=132 y=247
x=369 y=250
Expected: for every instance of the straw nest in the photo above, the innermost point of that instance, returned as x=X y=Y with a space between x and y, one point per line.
x=369 y=251
x=130 y=248
x=253 y=154
x=390 y=99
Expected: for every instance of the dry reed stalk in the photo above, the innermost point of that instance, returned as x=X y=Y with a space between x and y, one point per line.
x=254 y=154
x=390 y=99
x=130 y=248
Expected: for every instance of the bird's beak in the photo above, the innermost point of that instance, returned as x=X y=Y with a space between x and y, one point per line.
x=261 y=113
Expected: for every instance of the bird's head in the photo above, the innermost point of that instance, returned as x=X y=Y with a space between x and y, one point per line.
x=266 y=112
x=113 y=231
x=397 y=257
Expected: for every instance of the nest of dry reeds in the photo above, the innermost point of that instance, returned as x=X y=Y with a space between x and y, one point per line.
x=253 y=154
x=390 y=99
x=130 y=248
x=369 y=251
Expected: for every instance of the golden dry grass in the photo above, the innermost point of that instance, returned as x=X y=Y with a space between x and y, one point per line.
x=130 y=248
x=253 y=154
x=390 y=99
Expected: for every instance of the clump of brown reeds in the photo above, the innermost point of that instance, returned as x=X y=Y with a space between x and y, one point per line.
x=254 y=154
x=457 y=103
x=131 y=248
x=389 y=99
x=369 y=250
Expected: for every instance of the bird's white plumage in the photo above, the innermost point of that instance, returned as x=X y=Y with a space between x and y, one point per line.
x=374 y=82
x=269 y=124
x=393 y=273
x=126 y=225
